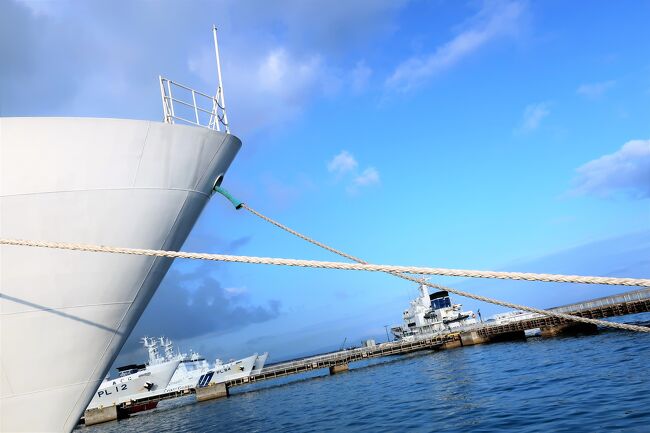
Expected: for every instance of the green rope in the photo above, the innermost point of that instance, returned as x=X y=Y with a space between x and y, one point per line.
x=238 y=204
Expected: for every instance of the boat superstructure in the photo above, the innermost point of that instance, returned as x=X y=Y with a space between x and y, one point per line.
x=128 y=183
x=432 y=314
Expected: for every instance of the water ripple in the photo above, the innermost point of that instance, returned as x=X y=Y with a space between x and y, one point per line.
x=570 y=384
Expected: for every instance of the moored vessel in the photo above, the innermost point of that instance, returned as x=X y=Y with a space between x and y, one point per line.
x=195 y=371
x=136 y=381
x=114 y=182
x=432 y=314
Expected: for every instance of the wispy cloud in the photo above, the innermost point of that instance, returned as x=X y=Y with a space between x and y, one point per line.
x=369 y=176
x=494 y=20
x=595 y=90
x=626 y=171
x=345 y=166
x=342 y=163
x=39 y=7
x=533 y=116
x=288 y=57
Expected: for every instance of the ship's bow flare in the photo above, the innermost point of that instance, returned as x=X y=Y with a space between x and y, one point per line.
x=64 y=315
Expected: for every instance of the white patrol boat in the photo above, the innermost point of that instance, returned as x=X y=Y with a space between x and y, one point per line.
x=194 y=371
x=433 y=314
x=136 y=381
x=223 y=372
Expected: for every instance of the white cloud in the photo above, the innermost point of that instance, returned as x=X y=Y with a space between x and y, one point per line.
x=265 y=89
x=369 y=176
x=533 y=116
x=625 y=171
x=345 y=166
x=234 y=292
x=286 y=77
x=494 y=20
x=39 y=7
x=595 y=90
x=342 y=163
x=292 y=53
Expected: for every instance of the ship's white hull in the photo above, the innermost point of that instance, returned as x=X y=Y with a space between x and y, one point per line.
x=183 y=379
x=65 y=315
x=259 y=363
x=231 y=370
x=144 y=383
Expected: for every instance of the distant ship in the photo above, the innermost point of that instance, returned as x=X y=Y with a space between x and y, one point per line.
x=430 y=315
x=128 y=183
x=511 y=316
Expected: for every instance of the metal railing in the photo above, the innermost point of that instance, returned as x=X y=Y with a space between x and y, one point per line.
x=355 y=353
x=190 y=106
x=637 y=295
x=184 y=104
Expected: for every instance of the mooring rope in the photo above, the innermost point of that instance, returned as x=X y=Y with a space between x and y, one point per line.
x=507 y=304
x=331 y=265
x=394 y=270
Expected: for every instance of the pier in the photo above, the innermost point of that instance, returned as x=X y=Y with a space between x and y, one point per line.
x=338 y=362
x=634 y=302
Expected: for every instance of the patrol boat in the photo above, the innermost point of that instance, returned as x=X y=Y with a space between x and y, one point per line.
x=432 y=314
x=195 y=371
x=137 y=381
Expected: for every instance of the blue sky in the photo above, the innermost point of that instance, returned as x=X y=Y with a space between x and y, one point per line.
x=487 y=135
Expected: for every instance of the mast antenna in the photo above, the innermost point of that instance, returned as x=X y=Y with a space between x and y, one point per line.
x=220 y=99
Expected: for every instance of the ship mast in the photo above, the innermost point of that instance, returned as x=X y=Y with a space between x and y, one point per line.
x=219 y=97
x=152 y=348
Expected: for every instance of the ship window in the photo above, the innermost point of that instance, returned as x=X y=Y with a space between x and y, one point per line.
x=439 y=303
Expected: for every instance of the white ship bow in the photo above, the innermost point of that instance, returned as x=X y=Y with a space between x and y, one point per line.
x=97 y=181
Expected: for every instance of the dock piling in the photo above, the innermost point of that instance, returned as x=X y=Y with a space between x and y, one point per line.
x=211 y=392
x=102 y=414
x=568 y=329
x=340 y=368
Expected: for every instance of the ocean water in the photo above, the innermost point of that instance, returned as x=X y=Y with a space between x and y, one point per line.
x=585 y=383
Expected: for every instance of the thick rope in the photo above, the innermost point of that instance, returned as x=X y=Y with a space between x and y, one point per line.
x=395 y=270
x=334 y=265
x=449 y=289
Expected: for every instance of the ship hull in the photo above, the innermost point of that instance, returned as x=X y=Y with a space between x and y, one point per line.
x=259 y=363
x=65 y=315
x=231 y=371
x=136 y=386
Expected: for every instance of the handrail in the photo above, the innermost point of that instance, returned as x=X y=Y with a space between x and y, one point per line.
x=217 y=111
x=194 y=107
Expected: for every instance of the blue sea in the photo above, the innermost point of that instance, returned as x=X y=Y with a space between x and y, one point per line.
x=565 y=384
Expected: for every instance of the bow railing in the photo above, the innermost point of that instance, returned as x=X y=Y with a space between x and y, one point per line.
x=184 y=104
